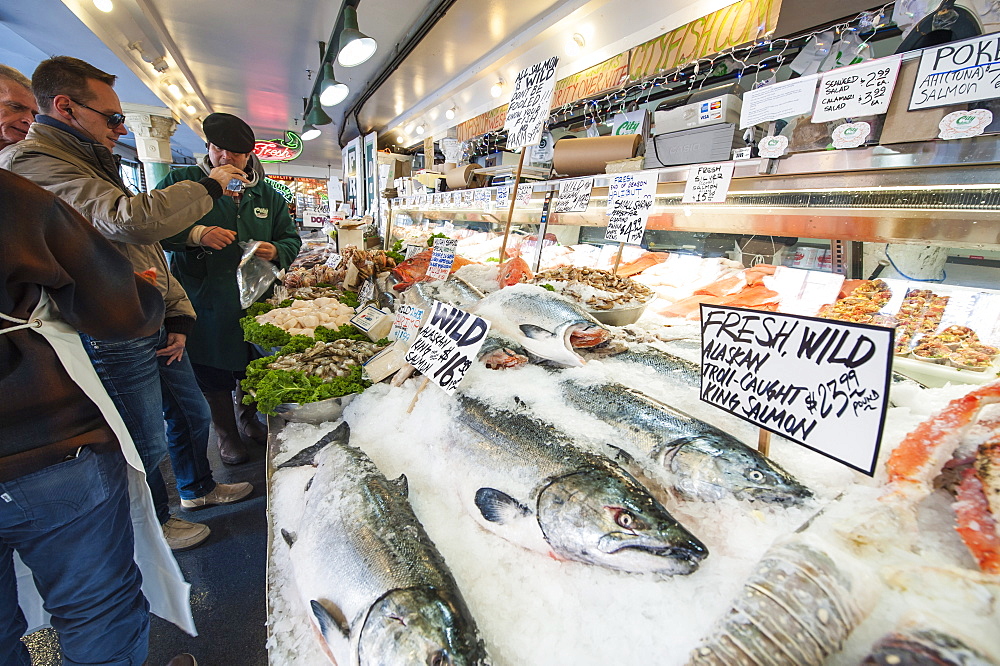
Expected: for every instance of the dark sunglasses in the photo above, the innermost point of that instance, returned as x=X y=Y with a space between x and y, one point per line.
x=114 y=119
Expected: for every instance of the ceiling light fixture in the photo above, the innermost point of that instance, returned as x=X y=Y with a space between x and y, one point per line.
x=316 y=115
x=174 y=89
x=497 y=89
x=420 y=129
x=333 y=92
x=355 y=46
x=191 y=109
x=104 y=5
x=450 y=113
x=309 y=132
x=400 y=139
x=575 y=44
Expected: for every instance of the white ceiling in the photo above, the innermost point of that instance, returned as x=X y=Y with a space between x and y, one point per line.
x=252 y=59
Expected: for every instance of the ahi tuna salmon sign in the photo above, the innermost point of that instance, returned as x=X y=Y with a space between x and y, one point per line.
x=818 y=382
x=447 y=345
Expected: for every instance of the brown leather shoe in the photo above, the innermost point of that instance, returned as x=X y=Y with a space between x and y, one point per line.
x=182 y=534
x=231 y=447
x=223 y=493
x=184 y=659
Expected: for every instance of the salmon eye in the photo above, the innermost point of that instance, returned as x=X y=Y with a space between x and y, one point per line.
x=439 y=658
x=755 y=475
x=622 y=517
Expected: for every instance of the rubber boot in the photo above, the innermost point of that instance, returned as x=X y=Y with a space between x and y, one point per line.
x=246 y=418
x=231 y=448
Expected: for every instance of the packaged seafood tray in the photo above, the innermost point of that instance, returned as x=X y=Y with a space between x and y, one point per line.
x=936 y=375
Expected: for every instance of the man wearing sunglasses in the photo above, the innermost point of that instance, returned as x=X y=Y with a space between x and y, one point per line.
x=68 y=152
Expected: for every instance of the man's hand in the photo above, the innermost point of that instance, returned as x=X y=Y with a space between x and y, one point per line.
x=174 y=349
x=266 y=251
x=217 y=237
x=224 y=173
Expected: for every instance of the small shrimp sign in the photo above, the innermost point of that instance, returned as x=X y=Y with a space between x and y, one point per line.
x=821 y=383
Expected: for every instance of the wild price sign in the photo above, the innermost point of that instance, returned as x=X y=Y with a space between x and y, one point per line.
x=817 y=382
x=447 y=345
x=630 y=197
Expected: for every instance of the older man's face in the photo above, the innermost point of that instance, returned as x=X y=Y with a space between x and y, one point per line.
x=217 y=156
x=17 y=112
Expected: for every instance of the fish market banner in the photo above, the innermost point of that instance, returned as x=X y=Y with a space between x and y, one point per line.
x=821 y=383
x=447 y=345
x=630 y=197
x=529 y=107
x=958 y=72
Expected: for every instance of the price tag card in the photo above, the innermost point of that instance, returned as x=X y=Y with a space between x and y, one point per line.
x=483 y=197
x=503 y=197
x=957 y=73
x=529 y=105
x=367 y=317
x=442 y=258
x=574 y=195
x=630 y=197
x=334 y=260
x=447 y=345
x=804 y=292
x=366 y=293
x=413 y=250
x=858 y=90
x=406 y=322
x=780 y=100
x=467 y=198
x=524 y=191
x=821 y=383
x=708 y=183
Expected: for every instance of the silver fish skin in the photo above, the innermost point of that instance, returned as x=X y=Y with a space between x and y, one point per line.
x=546 y=324
x=390 y=597
x=664 y=363
x=703 y=462
x=551 y=496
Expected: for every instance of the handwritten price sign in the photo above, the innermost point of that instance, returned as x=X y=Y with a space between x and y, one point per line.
x=574 y=195
x=958 y=72
x=630 y=197
x=406 y=322
x=529 y=105
x=708 y=183
x=817 y=382
x=858 y=90
x=447 y=345
x=442 y=258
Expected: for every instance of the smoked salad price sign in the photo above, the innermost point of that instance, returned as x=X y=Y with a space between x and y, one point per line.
x=529 y=105
x=630 y=196
x=858 y=90
x=447 y=345
x=821 y=383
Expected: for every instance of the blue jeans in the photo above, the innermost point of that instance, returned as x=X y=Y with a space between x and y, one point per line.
x=70 y=524
x=146 y=391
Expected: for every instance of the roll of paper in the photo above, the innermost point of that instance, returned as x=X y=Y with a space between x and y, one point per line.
x=585 y=157
x=460 y=177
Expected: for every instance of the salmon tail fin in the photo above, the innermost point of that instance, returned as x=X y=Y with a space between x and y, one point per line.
x=341 y=434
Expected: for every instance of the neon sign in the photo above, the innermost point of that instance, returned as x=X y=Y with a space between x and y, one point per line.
x=279 y=150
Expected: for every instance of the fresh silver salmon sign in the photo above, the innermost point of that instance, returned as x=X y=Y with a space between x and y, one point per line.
x=818 y=382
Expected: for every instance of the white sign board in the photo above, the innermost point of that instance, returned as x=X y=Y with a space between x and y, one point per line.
x=574 y=195
x=958 y=72
x=467 y=198
x=447 y=345
x=821 y=383
x=529 y=106
x=314 y=219
x=503 y=197
x=630 y=197
x=524 y=191
x=442 y=258
x=483 y=197
x=780 y=100
x=858 y=90
x=708 y=183
x=406 y=322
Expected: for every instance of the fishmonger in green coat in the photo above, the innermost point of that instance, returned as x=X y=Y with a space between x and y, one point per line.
x=205 y=259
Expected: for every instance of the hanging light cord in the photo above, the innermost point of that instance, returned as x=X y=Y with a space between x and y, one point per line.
x=944 y=274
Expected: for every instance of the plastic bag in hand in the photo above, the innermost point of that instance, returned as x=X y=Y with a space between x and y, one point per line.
x=254 y=275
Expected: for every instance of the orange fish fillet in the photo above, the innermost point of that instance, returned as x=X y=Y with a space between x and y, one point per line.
x=686 y=306
x=976 y=526
x=750 y=297
x=720 y=287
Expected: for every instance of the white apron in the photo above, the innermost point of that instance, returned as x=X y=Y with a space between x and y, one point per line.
x=162 y=582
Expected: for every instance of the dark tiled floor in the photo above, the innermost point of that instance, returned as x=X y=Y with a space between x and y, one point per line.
x=227 y=576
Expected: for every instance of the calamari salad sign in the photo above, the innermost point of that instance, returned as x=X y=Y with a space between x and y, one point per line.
x=821 y=383
x=447 y=345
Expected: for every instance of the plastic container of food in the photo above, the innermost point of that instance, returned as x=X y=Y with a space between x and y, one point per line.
x=322 y=411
